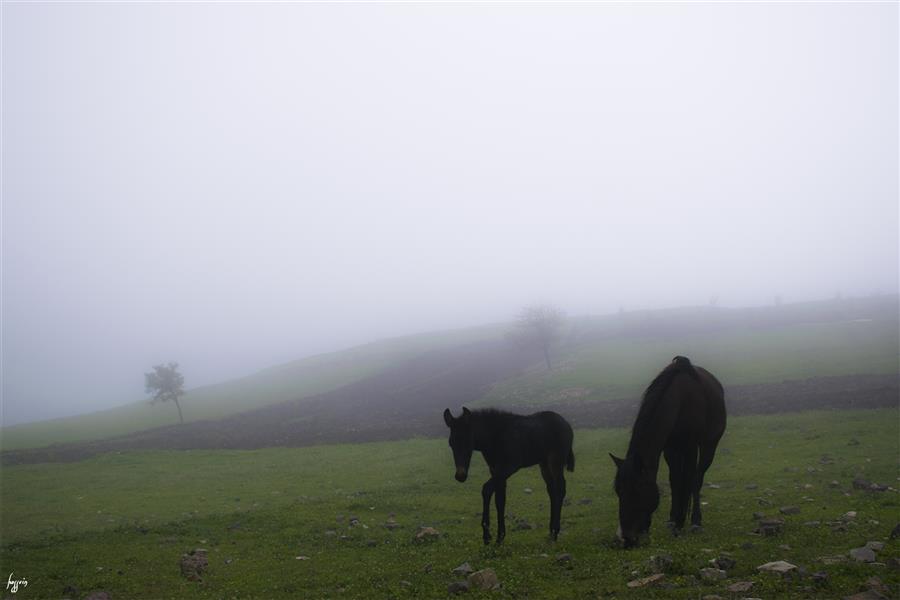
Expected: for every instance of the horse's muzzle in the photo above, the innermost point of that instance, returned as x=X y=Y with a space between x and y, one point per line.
x=461 y=475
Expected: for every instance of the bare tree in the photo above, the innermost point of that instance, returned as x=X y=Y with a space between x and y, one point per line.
x=538 y=326
x=165 y=383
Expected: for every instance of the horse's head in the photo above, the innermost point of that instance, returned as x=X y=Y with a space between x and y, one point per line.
x=461 y=441
x=638 y=499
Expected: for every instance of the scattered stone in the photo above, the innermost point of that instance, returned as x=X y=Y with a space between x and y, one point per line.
x=779 y=566
x=784 y=547
x=893 y=563
x=819 y=577
x=867 y=595
x=391 y=523
x=98 y=595
x=345 y=538
x=713 y=486
x=848 y=516
x=427 y=534
x=371 y=543
x=464 y=569
x=758 y=515
x=710 y=574
x=861 y=484
x=645 y=581
x=876 y=546
x=876 y=585
x=528 y=490
x=458 y=587
x=789 y=510
x=193 y=564
x=751 y=486
x=404 y=583
x=769 y=527
x=834 y=484
x=331 y=533
x=563 y=558
x=353 y=521
x=863 y=554
x=726 y=563
x=740 y=587
x=877 y=487
x=661 y=563
x=584 y=501
x=428 y=568
x=484 y=579
x=301 y=557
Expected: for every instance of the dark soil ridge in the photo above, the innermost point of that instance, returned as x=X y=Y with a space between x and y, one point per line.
x=407 y=401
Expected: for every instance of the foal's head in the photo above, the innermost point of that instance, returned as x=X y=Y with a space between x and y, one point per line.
x=638 y=499
x=461 y=441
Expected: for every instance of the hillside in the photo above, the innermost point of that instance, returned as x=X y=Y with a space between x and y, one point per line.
x=599 y=359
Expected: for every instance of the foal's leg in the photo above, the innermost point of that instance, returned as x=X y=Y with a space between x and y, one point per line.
x=487 y=490
x=707 y=452
x=500 y=500
x=677 y=513
x=553 y=490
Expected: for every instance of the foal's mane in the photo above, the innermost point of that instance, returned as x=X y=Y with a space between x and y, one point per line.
x=657 y=388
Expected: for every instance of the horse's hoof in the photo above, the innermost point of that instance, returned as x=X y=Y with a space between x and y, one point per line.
x=673 y=528
x=696 y=528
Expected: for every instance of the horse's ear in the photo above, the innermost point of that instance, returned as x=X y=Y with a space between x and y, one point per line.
x=466 y=414
x=448 y=418
x=618 y=461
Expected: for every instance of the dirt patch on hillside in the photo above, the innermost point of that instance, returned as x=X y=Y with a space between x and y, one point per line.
x=407 y=401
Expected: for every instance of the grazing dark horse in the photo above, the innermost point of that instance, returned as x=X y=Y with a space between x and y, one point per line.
x=508 y=443
x=683 y=416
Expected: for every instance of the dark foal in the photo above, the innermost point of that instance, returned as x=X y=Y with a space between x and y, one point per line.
x=508 y=443
x=683 y=416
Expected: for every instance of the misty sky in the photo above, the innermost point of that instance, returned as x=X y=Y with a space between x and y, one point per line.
x=235 y=186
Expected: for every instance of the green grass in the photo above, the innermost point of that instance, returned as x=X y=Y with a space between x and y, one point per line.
x=120 y=522
x=622 y=367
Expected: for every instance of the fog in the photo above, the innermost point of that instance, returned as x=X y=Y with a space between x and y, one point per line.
x=234 y=186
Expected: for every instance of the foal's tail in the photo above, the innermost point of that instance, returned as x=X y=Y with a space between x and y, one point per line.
x=570 y=461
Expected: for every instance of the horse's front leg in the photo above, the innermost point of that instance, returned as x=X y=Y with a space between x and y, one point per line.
x=500 y=499
x=486 y=491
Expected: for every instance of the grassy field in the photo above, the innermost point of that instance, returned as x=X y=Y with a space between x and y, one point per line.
x=618 y=367
x=121 y=522
x=600 y=358
x=294 y=380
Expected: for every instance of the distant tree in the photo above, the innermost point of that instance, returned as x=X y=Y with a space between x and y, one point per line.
x=165 y=383
x=538 y=326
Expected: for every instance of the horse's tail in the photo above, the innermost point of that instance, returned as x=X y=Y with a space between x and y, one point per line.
x=570 y=461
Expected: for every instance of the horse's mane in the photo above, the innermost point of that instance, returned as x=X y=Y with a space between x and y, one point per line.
x=657 y=388
x=492 y=415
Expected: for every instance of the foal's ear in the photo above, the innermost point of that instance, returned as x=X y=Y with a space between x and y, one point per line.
x=448 y=418
x=618 y=461
x=466 y=414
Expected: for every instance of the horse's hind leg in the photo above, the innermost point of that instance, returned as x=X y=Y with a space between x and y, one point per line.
x=500 y=500
x=707 y=452
x=678 y=512
x=487 y=490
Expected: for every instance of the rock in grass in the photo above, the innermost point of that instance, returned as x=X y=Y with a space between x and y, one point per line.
x=464 y=569
x=819 y=577
x=563 y=558
x=98 y=595
x=779 y=566
x=867 y=595
x=645 y=581
x=863 y=554
x=789 y=510
x=848 y=516
x=740 y=587
x=193 y=564
x=711 y=597
x=458 y=587
x=861 y=484
x=726 y=563
x=875 y=546
x=768 y=527
x=391 y=524
x=484 y=579
x=427 y=534
x=661 y=563
x=711 y=574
